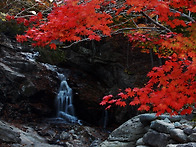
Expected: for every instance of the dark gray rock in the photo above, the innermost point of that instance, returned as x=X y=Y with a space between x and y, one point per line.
x=188 y=130
x=25 y=85
x=140 y=142
x=161 y=126
x=147 y=118
x=156 y=139
x=64 y=136
x=142 y=146
x=95 y=143
x=8 y=135
x=171 y=145
x=190 y=144
x=14 y=137
x=178 y=135
x=194 y=130
x=129 y=131
x=171 y=118
x=167 y=120
x=126 y=135
x=177 y=125
x=116 y=144
x=192 y=137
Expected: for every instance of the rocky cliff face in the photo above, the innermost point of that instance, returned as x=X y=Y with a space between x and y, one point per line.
x=102 y=68
x=96 y=69
x=27 y=88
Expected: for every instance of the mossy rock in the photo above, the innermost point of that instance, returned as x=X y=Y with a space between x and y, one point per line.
x=50 y=56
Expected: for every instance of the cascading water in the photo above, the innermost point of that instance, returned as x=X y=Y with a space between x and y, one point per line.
x=105 y=119
x=64 y=102
x=65 y=108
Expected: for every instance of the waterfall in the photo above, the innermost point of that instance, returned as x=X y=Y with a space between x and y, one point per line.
x=65 y=108
x=105 y=119
x=64 y=101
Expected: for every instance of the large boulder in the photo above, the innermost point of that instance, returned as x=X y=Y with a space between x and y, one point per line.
x=149 y=130
x=126 y=135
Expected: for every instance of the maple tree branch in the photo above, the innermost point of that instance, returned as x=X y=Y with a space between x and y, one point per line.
x=76 y=42
x=138 y=28
x=134 y=22
x=26 y=9
x=182 y=14
x=156 y=23
x=120 y=23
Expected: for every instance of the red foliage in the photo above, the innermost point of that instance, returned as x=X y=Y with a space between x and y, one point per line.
x=171 y=89
x=69 y=22
x=172 y=86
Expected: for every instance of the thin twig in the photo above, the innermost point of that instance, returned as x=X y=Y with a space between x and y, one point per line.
x=26 y=9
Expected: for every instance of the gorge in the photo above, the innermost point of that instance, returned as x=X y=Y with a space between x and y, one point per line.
x=30 y=88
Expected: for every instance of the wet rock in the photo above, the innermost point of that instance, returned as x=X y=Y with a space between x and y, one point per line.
x=171 y=145
x=127 y=134
x=161 y=126
x=147 y=118
x=178 y=135
x=156 y=139
x=129 y=131
x=116 y=144
x=192 y=137
x=95 y=143
x=188 y=130
x=160 y=132
x=168 y=121
x=177 y=125
x=190 y=144
x=64 y=136
x=171 y=118
x=70 y=135
x=27 y=88
x=15 y=137
x=8 y=135
x=140 y=142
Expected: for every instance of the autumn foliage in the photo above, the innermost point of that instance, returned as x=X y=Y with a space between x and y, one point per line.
x=167 y=27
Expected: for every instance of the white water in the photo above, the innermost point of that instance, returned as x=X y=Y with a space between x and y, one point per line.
x=30 y=56
x=65 y=108
x=64 y=99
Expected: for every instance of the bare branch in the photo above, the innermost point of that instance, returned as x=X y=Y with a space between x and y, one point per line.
x=138 y=28
x=134 y=22
x=113 y=33
x=26 y=9
x=156 y=23
x=183 y=14
x=120 y=23
x=76 y=42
